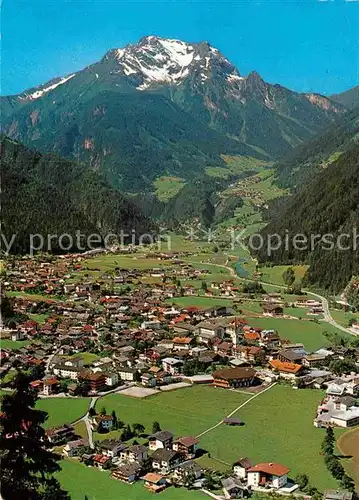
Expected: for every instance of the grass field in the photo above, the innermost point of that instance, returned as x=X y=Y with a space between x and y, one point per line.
x=88 y=357
x=80 y=429
x=9 y=377
x=80 y=480
x=108 y=262
x=35 y=297
x=201 y=302
x=306 y=332
x=343 y=317
x=40 y=318
x=63 y=410
x=275 y=274
x=183 y=412
x=278 y=428
x=212 y=463
x=276 y=423
x=167 y=187
x=240 y=164
x=13 y=344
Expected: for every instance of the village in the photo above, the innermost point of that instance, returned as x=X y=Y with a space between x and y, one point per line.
x=158 y=323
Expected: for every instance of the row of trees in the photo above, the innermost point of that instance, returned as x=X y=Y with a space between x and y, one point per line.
x=333 y=463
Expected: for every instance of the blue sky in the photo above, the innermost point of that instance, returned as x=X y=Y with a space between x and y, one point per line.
x=306 y=45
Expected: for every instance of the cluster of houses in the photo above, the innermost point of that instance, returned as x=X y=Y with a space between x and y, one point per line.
x=164 y=460
x=339 y=406
x=139 y=337
x=135 y=336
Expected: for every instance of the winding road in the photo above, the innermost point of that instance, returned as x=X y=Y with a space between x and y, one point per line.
x=93 y=401
x=327 y=316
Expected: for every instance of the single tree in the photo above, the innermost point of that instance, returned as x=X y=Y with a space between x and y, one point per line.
x=92 y=412
x=138 y=429
x=289 y=276
x=114 y=420
x=155 y=427
x=27 y=464
x=347 y=483
x=302 y=481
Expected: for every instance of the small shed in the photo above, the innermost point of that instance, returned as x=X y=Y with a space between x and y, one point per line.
x=232 y=421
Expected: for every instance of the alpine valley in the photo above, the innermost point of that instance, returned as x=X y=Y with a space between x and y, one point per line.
x=149 y=345
x=176 y=127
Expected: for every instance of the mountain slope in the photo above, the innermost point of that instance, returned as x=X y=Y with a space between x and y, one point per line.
x=163 y=107
x=349 y=99
x=132 y=141
x=44 y=194
x=306 y=160
x=328 y=205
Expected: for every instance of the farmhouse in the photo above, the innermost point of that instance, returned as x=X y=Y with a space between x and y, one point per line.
x=290 y=356
x=161 y=439
x=182 y=343
x=106 y=422
x=127 y=472
x=286 y=370
x=234 y=377
x=97 y=380
x=65 y=371
x=314 y=360
x=72 y=447
x=234 y=488
x=241 y=467
x=189 y=468
x=208 y=330
x=250 y=354
x=49 y=385
x=111 y=447
x=172 y=365
x=269 y=339
x=186 y=445
x=270 y=475
x=154 y=482
x=60 y=434
x=127 y=373
x=165 y=460
x=272 y=309
x=134 y=453
x=183 y=329
x=100 y=461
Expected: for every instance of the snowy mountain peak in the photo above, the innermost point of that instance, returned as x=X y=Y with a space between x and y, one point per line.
x=155 y=60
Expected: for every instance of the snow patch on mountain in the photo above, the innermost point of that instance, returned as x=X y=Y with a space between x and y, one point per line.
x=40 y=93
x=179 y=52
x=233 y=77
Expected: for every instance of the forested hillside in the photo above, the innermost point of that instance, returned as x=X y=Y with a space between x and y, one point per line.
x=49 y=195
x=316 y=154
x=194 y=202
x=327 y=205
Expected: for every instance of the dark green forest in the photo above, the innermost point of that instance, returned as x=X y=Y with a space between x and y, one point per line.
x=49 y=195
x=327 y=204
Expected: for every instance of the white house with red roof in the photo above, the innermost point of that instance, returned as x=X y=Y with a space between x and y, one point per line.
x=272 y=475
